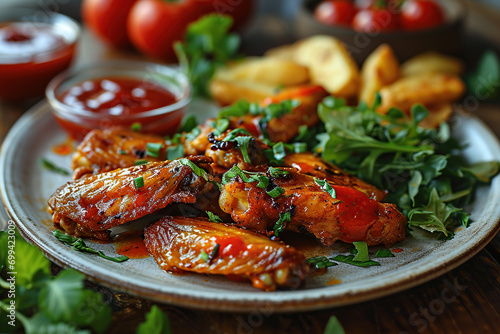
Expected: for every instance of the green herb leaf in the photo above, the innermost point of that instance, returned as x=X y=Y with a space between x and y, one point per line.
x=175 y=152
x=139 y=182
x=140 y=162
x=79 y=245
x=222 y=125
x=319 y=262
x=277 y=172
x=214 y=252
x=232 y=173
x=384 y=253
x=237 y=109
x=362 y=251
x=333 y=326
x=326 y=187
x=153 y=149
x=122 y=152
x=275 y=192
x=207 y=45
x=136 y=127
x=483 y=83
x=204 y=255
x=54 y=168
x=198 y=171
x=349 y=259
x=280 y=224
x=213 y=217
x=483 y=171
x=156 y=323
x=231 y=136
x=188 y=124
x=244 y=143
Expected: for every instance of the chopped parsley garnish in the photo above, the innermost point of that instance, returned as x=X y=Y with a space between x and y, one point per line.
x=140 y=162
x=262 y=179
x=198 y=171
x=79 y=245
x=204 y=255
x=280 y=224
x=122 y=152
x=153 y=149
x=334 y=326
x=136 y=127
x=139 y=182
x=243 y=144
x=362 y=251
x=276 y=172
x=383 y=253
x=299 y=147
x=231 y=136
x=188 y=124
x=319 y=262
x=326 y=187
x=54 y=168
x=349 y=259
x=222 y=125
x=213 y=217
x=214 y=253
x=175 y=152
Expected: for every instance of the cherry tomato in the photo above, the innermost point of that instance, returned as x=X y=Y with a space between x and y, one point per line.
x=335 y=12
x=374 y=19
x=154 y=25
x=108 y=19
x=421 y=14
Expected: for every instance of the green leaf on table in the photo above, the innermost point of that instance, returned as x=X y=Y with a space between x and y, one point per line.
x=334 y=326
x=156 y=323
x=30 y=261
x=321 y=262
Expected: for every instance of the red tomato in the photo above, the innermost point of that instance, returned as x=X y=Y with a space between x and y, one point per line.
x=335 y=12
x=108 y=19
x=421 y=14
x=154 y=25
x=373 y=20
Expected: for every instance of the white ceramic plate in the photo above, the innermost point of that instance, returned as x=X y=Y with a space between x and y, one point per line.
x=25 y=187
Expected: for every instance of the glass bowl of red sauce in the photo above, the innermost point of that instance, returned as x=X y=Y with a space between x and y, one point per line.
x=132 y=94
x=35 y=46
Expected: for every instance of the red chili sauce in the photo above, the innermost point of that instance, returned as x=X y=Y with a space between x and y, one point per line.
x=120 y=101
x=31 y=54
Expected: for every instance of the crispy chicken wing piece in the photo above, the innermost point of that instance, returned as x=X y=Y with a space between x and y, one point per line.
x=350 y=216
x=179 y=243
x=287 y=127
x=308 y=163
x=109 y=149
x=99 y=202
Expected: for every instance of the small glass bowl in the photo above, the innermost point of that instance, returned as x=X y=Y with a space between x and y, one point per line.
x=163 y=121
x=47 y=47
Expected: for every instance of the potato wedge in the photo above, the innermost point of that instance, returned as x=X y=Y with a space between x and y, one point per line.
x=432 y=62
x=269 y=71
x=286 y=52
x=330 y=65
x=227 y=92
x=427 y=89
x=380 y=69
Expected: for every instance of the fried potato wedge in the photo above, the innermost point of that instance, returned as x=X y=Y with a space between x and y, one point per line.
x=427 y=89
x=437 y=114
x=227 y=92
x=432 y=62
x=189 y=244
x=380 y=69
x=330 y=65
x=282 y=52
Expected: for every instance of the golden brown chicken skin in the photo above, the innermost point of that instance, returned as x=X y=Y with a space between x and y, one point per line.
x=188 y=244
x=285 y=128
x=109 y=149
x=92 y=205
x=349 y=217
x=308 y=163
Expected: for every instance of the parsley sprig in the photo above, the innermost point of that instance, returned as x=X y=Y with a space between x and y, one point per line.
x=263 y=179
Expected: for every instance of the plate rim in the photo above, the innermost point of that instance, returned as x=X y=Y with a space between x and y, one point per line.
x=317 y=299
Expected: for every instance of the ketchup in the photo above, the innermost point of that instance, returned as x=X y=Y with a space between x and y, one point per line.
x=118 y=101
x=31 y=54
x=117 y=96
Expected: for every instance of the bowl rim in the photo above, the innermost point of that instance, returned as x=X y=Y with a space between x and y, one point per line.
x=307 y=7
x=174 y=72
x=29 y=15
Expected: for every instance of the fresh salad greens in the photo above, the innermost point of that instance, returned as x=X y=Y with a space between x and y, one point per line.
x=207 y=45
x=421 y=168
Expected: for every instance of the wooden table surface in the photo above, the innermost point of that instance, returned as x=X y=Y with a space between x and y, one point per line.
x=465 y=300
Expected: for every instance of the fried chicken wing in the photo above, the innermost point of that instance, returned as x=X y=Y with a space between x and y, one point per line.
x=350 y=216
x=285 y=128
x=188 y=244
x=308 y=163
x=99 y=202
x=109 y=149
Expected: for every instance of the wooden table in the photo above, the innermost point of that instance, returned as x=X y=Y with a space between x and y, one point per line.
x=465 y=300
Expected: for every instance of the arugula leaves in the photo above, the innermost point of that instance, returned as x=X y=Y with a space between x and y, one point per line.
x=207 y=45
x=483 y=82
x=421 y=168
x=156 y=323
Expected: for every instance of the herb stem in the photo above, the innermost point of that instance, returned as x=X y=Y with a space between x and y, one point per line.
x=4 y=284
